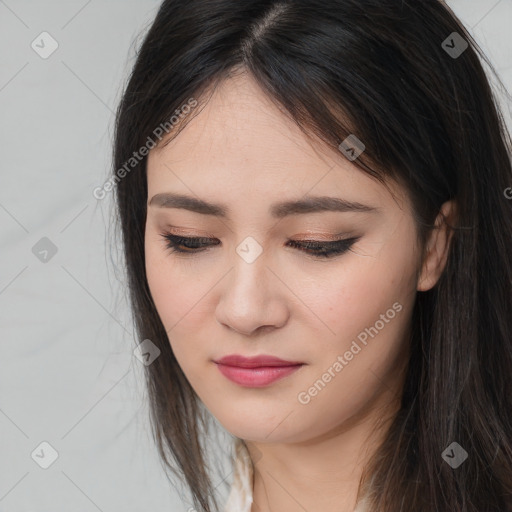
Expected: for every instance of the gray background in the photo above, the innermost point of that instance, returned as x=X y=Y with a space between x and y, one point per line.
x=67 y=374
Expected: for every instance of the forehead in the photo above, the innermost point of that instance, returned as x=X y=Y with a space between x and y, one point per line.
x=241 y=147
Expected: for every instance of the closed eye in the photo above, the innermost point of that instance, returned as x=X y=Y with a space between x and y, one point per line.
x=321 y=249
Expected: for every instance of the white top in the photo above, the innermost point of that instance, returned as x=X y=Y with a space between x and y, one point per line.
x=240 y=496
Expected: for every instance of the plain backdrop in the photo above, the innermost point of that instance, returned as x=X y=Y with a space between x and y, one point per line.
x=68 y=376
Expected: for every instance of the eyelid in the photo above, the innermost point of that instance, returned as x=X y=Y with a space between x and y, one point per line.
x=319 y=237
x=328 y=249
x=186 y=233
x=310 y=240
x=304 y=236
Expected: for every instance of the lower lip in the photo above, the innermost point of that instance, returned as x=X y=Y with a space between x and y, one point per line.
x=256 y=377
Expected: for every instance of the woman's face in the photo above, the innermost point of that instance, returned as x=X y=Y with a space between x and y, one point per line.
x=251 y=292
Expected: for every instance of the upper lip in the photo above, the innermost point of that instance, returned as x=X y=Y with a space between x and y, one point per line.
x=254 y=362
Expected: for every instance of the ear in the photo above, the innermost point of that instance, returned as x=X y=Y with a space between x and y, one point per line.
x=438 y=247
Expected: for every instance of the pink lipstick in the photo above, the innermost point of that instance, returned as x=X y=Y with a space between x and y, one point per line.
x=256 y=372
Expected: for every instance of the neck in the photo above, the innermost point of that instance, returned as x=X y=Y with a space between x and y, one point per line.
x=322 y=473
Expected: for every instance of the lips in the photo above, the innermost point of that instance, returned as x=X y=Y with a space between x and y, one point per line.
x=255 y=362
x=256 y=371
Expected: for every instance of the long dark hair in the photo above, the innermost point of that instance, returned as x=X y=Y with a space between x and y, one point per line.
x=393 y=73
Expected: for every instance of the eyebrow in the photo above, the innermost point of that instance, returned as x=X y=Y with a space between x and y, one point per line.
x=311 y=204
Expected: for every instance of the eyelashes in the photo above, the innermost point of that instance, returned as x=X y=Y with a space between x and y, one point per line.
x=193 y=245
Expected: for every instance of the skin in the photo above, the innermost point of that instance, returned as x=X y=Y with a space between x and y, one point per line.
x=243 y=152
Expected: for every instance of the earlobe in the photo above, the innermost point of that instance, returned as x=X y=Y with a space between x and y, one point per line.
x=438 y=247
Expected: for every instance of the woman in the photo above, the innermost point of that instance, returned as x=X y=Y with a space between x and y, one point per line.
x=312 y=197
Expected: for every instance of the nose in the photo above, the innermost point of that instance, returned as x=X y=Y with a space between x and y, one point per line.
x=253 y=300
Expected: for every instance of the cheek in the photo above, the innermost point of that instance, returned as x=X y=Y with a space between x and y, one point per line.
x=181 y=302
x=173 y=282
x=355 y=295
x=161 y=283
x=367 y=307
x=167 y=288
